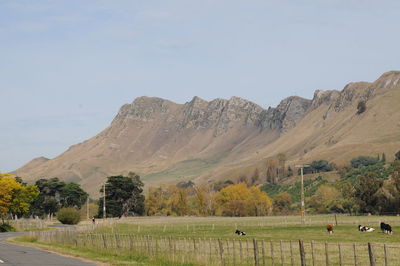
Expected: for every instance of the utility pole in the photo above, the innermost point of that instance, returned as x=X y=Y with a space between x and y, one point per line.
x=302 y=207
x=104 y=201
x=87 y=208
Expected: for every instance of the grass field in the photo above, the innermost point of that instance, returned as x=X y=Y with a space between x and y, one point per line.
x=211 y=240
x=267 y=228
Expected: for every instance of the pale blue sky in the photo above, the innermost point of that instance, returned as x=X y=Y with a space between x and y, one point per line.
x=67 y=66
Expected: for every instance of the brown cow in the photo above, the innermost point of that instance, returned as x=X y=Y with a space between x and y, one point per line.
x=329 y=227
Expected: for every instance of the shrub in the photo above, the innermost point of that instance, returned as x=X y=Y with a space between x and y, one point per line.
x=318 y=166
x=68 y=216
x=6 y=228
x=397 y=156
x=361 y=107
x=362 y=161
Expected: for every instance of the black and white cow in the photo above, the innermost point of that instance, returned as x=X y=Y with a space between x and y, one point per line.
x=365 y=228
x=386 y=228
x=240 y=233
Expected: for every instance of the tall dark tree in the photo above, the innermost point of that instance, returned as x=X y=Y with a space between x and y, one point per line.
x=123 y=196
x=72 y=195
x=365 y=192
x=55 y=194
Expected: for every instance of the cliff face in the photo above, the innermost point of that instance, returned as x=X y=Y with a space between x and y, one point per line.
x=164 y=141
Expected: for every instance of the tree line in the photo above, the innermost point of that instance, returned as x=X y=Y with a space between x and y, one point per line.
x=366 y=185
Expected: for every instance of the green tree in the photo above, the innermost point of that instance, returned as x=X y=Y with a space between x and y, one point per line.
x=318 y=166
x=123 y=196
x=55 y=194
x=72 y=195
x=346 y=200
x=362 y=161
x=365 y=192
x=324 y=198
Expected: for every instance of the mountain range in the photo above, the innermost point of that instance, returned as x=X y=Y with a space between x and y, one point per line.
x=205 y=141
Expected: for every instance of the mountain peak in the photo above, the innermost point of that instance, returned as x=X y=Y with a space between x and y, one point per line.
x=198 y=99
x=388 y=80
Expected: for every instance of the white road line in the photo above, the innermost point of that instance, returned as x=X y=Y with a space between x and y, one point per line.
x=1 y=261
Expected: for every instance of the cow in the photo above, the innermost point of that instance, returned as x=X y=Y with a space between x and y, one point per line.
x=240 y=233
x=365 y=228
x=386 y=228
x=329 y=228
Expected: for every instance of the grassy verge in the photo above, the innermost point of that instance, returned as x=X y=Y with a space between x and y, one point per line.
x=108 y=258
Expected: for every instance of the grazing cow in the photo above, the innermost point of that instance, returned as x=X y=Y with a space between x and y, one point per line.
x=240 y=233
x=386 y=228
x=329 y=228
x=365 y=228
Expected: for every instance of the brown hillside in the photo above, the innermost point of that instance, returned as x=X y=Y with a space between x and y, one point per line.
x=168 y=142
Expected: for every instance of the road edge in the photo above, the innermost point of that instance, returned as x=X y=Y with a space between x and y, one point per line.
x=12 y=240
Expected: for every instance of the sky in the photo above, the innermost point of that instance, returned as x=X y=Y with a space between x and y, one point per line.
x=67 y=66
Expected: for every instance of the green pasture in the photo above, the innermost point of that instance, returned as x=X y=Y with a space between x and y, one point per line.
x=212 y=241
x=262 y=228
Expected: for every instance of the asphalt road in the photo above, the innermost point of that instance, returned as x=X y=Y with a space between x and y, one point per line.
x=18 y=255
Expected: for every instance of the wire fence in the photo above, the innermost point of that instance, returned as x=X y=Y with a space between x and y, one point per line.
x=212 y=251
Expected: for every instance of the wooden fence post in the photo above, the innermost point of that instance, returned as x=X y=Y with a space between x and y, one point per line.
x=247 y=252
x=355 y=254
x=255 y=251
x=340 y=254
x=312 y=253
x=326 y=254
x=221 y=251
x=272 y=253
x=291 y=253
x=263 y=251
x=174 y=248
x=233 y=251
x=282 y=255
x=116 y=236
x=386 y=254
x=104 y=241
x=371 y=255
x=302 y=253
x=210 y=250
x=241 y=250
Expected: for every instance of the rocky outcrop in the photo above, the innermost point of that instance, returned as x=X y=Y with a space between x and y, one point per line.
x=143 y=109
x=219 y=114
x=352 y=91
x=285 y=115
x=324 y=97
x=387 y=80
